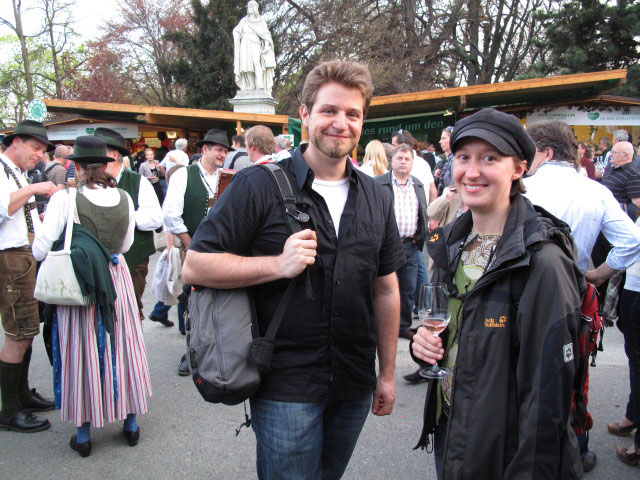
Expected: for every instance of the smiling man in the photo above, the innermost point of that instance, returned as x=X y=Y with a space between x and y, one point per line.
x=312 y=404
x=18 y=308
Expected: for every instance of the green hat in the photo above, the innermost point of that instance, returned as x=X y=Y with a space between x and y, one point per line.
x=90 y=150
x=33 y=129
x=114 y=140
x=216 y=136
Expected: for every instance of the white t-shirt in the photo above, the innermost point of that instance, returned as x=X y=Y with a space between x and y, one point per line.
x=335 y=194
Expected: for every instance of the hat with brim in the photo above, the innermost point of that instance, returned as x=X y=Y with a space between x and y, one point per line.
x=90 y=150
x=30 y=128
x=114 y=140
x=502 y=130
x=216 y=136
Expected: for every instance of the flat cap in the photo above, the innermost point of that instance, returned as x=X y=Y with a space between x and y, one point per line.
x=503 y=131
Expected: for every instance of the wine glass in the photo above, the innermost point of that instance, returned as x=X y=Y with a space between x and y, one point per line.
x=433 y=312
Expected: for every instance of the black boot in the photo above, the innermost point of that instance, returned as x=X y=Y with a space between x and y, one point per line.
x=31 y=400
x=13 y=416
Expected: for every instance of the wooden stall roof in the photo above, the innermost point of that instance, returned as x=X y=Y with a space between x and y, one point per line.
x=520 y=94
x=191 y=118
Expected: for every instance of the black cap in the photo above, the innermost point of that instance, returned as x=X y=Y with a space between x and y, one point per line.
x=33 y=129
x=114 y=139
x=90 y=149
x=503 y=131
x=216 y=136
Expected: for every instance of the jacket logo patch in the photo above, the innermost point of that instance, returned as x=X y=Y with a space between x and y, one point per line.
x=491 y=322
x=435 y=237
x=568 y=352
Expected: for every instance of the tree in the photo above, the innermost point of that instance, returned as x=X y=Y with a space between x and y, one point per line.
x=58 y=30
x=138 y=38
x=17 y=28
x=204 y=59
x=593 y=35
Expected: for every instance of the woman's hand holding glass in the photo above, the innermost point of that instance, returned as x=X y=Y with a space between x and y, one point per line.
x=427 y=347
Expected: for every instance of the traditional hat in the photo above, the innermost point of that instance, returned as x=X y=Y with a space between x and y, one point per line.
x=502 y=130
x=91 y=151
x=216 y=136
x=32 y=129
x=114 y=140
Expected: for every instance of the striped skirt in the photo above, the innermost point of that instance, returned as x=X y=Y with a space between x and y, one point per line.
x=88 y=391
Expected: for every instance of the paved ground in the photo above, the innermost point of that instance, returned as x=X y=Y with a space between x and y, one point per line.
x=184 y=437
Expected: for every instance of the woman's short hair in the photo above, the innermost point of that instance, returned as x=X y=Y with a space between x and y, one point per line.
x=348 y=74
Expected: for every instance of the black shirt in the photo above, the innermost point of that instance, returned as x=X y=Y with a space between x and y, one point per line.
x=624 y=182
x=325 y=344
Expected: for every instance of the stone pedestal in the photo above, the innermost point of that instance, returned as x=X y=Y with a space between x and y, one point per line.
x=253 y=101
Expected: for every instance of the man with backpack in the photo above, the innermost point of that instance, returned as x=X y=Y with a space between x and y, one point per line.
x=238 y=158
x=345 y=306
x=587 y=206
x=55 y=170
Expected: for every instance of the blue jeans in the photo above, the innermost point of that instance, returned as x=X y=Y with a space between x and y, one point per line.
x=311 y=441
x=160 y=310
x=423 y=279
x=407 y=278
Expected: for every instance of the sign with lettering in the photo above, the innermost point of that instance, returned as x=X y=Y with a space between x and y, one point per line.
x=613 y=116
x=69 y=131
x=423 y=127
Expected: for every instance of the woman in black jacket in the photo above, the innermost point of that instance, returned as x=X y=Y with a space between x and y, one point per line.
x=503 y=412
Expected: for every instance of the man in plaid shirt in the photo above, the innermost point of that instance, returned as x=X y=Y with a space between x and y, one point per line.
x=410 y=206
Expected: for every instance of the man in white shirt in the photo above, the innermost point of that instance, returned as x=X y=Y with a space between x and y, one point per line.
x=19 y=221
x=283 y=145
x=192 y=191
x=147 y=211
x=260 y=144
x=177 y=156
x=421 y=169
x=587 y=206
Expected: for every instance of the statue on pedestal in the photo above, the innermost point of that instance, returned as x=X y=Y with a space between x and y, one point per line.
x=254 y=59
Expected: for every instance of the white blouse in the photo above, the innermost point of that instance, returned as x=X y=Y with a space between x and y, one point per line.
x=55 y=218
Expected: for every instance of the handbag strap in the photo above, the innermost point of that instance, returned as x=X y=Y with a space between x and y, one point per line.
x=70 y=216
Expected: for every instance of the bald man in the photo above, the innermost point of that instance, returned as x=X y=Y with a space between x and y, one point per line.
x=624 y=178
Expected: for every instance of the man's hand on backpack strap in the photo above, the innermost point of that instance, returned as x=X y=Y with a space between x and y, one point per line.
x=299 y=252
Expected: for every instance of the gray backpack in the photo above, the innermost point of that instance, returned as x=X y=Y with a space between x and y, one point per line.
x=225 y=353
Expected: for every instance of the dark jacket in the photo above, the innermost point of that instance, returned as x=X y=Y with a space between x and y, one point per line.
x=421 y=231
x=509 y=417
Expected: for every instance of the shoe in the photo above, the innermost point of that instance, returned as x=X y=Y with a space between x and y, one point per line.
x=164 y=321
x=38 y=403
x=84 y=449
x=631 y=459
x=589 y=461
x=132 y=437
x=23 y=421
x=620 y=431
x=183 y=369
x=408 y=334
x=415 y=377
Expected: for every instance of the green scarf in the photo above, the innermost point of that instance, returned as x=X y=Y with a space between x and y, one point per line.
x=90 y=262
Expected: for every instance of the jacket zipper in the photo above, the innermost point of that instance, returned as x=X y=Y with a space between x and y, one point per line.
x=221 y=362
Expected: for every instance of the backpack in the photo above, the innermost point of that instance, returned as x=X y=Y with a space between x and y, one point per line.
x=225 y=353
x=591 y=326
x=235 y=157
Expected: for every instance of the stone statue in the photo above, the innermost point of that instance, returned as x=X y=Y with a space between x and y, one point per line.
x=254 y=60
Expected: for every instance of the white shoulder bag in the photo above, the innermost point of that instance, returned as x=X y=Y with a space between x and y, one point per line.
x=56 y=283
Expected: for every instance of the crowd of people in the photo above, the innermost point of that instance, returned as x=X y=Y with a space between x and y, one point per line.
x=510 y=222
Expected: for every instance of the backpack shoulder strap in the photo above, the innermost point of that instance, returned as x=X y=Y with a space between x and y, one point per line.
x=235 y=157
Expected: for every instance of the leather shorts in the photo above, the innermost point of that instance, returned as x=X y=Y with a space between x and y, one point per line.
x=18 y=307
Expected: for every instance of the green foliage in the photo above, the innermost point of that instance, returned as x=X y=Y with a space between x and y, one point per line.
x=205 y=61
x=594 y=35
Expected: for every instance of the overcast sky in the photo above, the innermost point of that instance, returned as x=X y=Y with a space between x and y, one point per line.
x=89 y=14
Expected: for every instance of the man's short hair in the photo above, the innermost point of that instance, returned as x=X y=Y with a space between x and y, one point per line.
x=348 y=74
x=239 y=140
x=110 y=150
x=404 y=136
x=261 y=137
x=181 y=143
x=621 y=135
x=60 y=151
x=558 y=136
x=605 y=140
x=403 y=147
x=283 y=142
